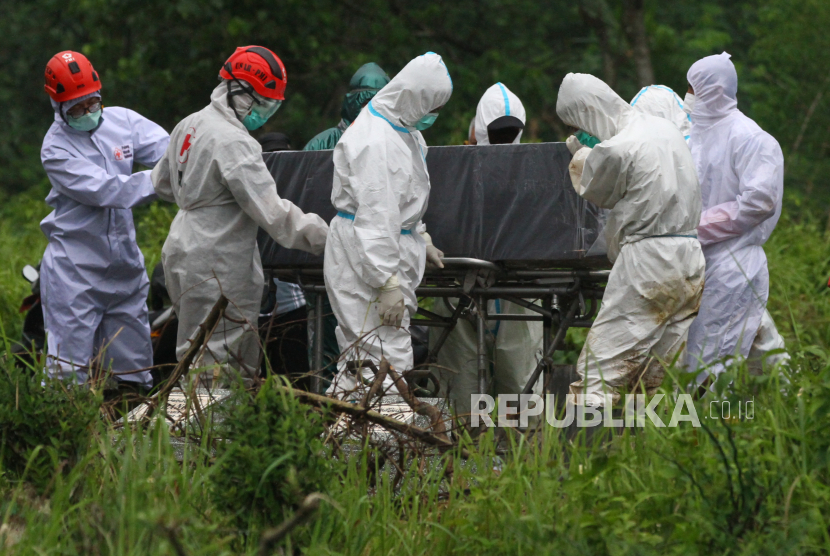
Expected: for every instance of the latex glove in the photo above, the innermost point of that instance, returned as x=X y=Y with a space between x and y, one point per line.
x=573 y=144
x=434 y=255
x=576 y=167
x=390 y=303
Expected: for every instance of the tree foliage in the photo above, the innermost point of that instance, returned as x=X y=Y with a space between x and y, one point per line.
x=161 y=58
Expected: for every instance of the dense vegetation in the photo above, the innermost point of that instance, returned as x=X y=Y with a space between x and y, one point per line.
x=739 y=486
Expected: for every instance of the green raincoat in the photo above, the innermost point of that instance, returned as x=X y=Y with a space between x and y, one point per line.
x=365 y=84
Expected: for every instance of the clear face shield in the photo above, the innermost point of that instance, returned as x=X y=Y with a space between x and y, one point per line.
x=261 y=109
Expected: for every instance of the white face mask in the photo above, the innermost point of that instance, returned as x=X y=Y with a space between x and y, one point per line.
x=689 y=103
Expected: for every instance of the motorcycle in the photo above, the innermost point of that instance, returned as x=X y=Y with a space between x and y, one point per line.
x=164 y=326
x=28 y=351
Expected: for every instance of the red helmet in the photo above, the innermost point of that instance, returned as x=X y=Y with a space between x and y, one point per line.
x=69 y=75
x=260 y=67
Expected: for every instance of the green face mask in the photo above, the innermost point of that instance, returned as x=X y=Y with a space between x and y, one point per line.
x=260 y=114
x=426 y=121
x=587 y=139
x=87 y=122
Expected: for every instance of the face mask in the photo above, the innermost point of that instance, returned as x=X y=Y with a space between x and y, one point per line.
x=689 y=103
x=426 y=121
x=87 y=122
x=586 y=139
x=260 y=114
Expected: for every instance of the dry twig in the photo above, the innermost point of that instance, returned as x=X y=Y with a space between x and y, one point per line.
x=273 y=536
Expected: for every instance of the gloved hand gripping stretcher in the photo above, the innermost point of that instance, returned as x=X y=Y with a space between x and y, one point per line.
x=511 y=227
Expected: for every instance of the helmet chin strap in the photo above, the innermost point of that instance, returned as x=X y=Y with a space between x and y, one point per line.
x=243 y=91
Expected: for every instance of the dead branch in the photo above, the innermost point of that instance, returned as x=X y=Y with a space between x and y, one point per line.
x=436 y=420
x=355 y=410
x=273 y=536
x=377 y=383
x=205 y=329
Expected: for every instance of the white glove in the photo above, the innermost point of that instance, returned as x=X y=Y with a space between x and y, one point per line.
x=573 y=144
x=434 y=255
x=576 y=167
x=390 y=303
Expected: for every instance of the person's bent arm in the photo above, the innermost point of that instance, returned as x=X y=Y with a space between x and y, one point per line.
x=254 y=189
x=89 y=184
x=161 y=180
x=604 y=176
x=760 y=168
x=149 y=140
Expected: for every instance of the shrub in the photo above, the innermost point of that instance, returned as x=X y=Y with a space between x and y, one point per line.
x=271 y=457
x=45 y=426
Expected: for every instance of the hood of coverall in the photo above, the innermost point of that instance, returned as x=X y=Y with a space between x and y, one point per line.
x=243 y=103
x=715 y=83
x=423 y=85
x=660 y=101
x=365 y=84
x=497 y=101
x=589 y=104
x=66 y=106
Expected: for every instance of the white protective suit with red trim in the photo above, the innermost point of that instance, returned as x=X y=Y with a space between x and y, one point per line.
x=213 y=170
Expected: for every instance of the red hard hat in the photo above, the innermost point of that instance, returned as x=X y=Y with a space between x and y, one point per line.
x=260 y=67
x=70 y=75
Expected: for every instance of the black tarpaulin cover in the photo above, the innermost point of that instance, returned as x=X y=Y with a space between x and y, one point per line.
x=503 y=203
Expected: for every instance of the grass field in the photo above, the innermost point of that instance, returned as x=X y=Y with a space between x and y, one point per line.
x=733 y=486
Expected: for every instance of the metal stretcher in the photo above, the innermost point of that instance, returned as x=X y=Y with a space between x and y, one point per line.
x=511 y=227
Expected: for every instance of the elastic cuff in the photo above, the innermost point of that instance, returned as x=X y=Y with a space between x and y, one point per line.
x=391 y=284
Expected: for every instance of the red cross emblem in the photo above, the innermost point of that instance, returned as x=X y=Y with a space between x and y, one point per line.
x=189 y=138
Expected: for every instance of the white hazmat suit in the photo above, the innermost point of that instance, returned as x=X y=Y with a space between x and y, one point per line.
x=213 y=170
x=92 y=279
x=514 y=347
x=380 y=190
x=643 y=172
x=660 y=101
x=741 y=171
x=496 y=102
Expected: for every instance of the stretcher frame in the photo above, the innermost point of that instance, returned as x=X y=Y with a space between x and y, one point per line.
x=568 y=298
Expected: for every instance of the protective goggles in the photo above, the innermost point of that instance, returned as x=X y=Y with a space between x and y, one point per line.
x=78 y=111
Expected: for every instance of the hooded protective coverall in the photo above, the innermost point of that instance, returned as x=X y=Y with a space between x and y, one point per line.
x=516 y=346
x=497 y=101
x=643 y=172
x=213 y=170
x=365 y=83
x=660 y=101
x=92 y=278
x=741 y=171
x=380 y=189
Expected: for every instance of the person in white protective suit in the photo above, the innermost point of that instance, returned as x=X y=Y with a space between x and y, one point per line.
x=661 y=101
x=378 y=248
x=214 y=172
x=92 y=279
x=643 y=172
x=741 y=171
x=514 y=347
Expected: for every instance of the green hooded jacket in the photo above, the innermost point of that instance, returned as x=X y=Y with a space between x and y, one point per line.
x=365 y=84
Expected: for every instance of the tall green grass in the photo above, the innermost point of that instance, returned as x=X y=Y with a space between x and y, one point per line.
x=737 y=486
x=754 y=485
